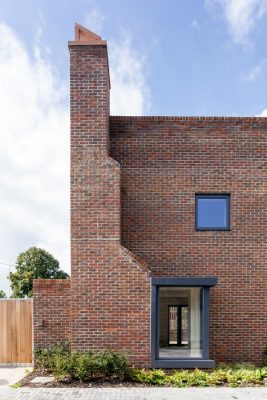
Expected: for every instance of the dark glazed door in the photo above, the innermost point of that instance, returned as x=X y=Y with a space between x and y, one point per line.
x=178 y=325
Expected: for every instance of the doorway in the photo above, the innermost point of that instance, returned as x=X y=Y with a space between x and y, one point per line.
x=178 y=325
x=180 y=322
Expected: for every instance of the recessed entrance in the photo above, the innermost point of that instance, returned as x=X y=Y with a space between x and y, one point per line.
x=180 y=322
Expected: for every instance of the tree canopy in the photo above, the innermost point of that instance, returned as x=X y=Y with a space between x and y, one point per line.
x=31 y=264
x=2 y=294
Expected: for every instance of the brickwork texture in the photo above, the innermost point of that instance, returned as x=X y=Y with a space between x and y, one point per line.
x=133 y=186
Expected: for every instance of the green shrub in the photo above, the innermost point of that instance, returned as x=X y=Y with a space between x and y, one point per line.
x=113 y=364
x=197 y=378
x=92 y=365
x=232 y=376
x=88 y=365
x=244 y=377
x=155 y=377
x=217 y=377
x=81 y=365
x=61 y=366
x=45 y=359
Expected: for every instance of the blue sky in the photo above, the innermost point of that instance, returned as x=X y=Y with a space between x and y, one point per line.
x=195 y=61
x=172 y=57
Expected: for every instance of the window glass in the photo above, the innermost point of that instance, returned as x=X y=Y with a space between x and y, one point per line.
x=212 y=211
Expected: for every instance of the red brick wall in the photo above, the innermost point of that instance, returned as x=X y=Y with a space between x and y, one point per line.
x=164 y=162
x=145 y=201
x=110 y=290
x=51 y=311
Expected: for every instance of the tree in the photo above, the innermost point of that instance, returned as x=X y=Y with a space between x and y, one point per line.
x=33 y=263
x=2 y=294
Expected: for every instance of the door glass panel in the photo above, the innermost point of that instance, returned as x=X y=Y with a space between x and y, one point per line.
x=179 y=322
x=184 y=328
x=173 y=325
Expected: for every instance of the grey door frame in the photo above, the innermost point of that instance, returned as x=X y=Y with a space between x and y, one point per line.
x=202 y=362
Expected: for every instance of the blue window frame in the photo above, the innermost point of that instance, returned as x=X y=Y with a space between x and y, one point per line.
x=213 y=212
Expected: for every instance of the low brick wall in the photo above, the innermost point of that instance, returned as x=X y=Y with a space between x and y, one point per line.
x=51 y=311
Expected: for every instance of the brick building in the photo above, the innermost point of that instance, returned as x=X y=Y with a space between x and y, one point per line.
x=168 y=231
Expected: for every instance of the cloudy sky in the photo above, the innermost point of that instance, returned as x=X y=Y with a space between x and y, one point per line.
x=167 y=57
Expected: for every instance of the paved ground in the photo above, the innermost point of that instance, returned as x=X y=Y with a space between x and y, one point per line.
x=11 y=375
x=134 y=394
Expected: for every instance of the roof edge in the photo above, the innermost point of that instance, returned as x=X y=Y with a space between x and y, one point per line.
x=187 y=118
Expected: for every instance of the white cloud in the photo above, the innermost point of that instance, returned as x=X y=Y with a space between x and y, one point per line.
x=130 y=94
x=34 y=142
x=94 y=20
x=241 y=16
x=34 y=153
x=263 y=113
x=256 y=70
x=129 y=91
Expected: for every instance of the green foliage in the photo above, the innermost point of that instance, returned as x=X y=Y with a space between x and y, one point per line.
x=95 y=365
x=187 y=379
x=33 y=263
x=81 y=365
x=61 y=365
x=89 y=365
x=15 y=385
x=27 y=371
x=44 y=359
x=2 y=294
x=243 y=377
x=113 y=364
x=155 y=377
x=217 y=377
x=232 y=376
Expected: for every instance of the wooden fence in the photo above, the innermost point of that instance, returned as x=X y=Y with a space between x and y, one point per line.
x=15 y=332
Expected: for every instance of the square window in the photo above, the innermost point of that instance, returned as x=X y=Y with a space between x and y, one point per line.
x=212 y=212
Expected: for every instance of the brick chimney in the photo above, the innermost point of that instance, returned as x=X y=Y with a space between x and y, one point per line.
x=101 y=270
x=95 y=177
x=89 y=91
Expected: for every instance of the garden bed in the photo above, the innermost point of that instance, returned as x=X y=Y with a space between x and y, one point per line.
x=72 y=383
x=111 y=369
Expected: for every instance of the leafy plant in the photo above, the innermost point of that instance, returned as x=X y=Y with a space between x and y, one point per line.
x=239 y=375
x=88 y=365
x=81 y=365
x=27 y=371
x=217 y=377
x=45 y=359
x=92 y=365
x=245 y=376
x=155 y=377
x=114 y=364
x=15 y=385
x=61 y=366
x=33 y=263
